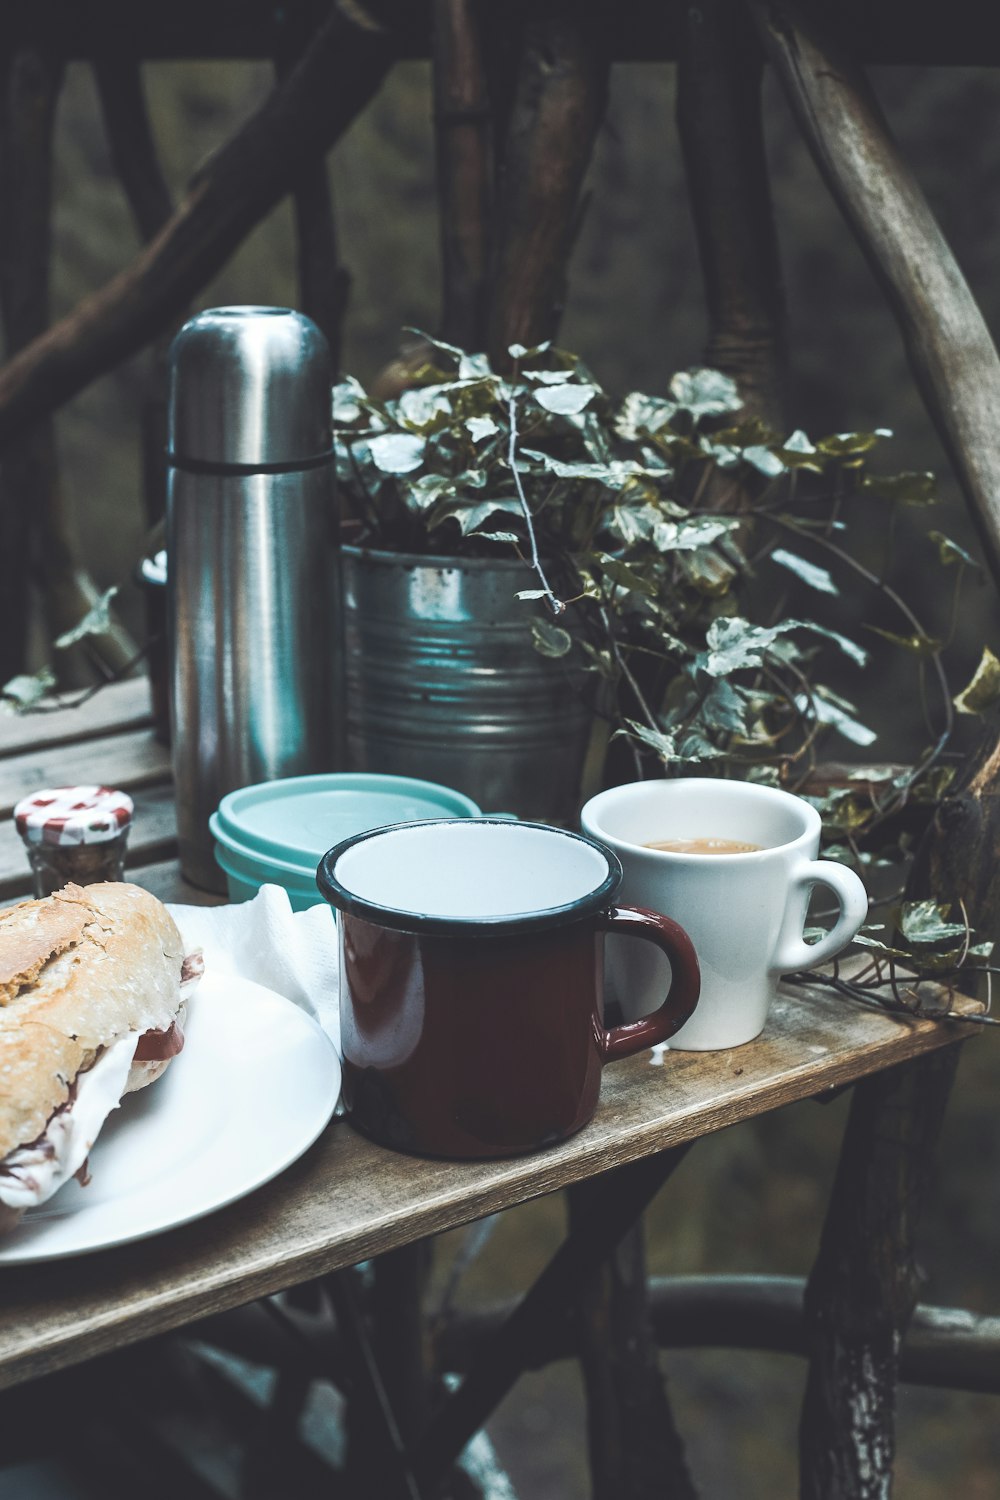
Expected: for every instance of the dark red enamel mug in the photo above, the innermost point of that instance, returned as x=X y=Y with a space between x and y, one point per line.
x=471 y=982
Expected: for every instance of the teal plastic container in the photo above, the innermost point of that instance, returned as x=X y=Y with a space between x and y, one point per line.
x=276 y=832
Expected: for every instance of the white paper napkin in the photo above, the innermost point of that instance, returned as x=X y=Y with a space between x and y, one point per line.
x=292 y=953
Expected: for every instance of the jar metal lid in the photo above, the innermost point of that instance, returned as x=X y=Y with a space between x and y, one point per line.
x=67 y=815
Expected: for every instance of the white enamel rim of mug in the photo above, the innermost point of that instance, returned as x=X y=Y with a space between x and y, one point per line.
x=610 y=808
x=462 y=874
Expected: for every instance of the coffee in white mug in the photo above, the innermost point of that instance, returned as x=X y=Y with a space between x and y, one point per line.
x=735 y=865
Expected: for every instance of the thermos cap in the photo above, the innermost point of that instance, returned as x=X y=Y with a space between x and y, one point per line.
x=249 y=386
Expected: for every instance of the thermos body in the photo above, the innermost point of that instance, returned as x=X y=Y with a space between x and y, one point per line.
x=252 y=579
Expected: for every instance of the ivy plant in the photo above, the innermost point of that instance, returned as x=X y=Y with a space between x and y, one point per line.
x=664 y=533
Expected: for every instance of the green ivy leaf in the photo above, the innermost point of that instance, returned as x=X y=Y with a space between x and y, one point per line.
x=642 y=414
x=346 y=399
x=471 y=517
x=518 y=351
x=827 y=709
x=984 y=689
x=918 y=644
x=550 y=640
x=815 y=577
x=474 y=366
x=705 y=393
x=397 y=452
x=23 y=692
x=663 y=744
x=707 y=572
x=481 y=427
x=626 y=577
x=566 y=400
x=950 y=552
x=425 y=492
x=764 y=461
x=425 y=408
x=797 y=452
x=849 y=444
x=909 y=488
x=925 y=922
x=726 y=708
x=97 y=621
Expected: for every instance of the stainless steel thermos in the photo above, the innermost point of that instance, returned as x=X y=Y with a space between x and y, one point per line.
x=253 y=592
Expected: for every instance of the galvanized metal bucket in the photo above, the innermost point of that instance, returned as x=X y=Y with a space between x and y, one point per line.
x=443 y=682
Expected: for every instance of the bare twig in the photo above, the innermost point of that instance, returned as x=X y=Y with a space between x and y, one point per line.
x=556 y=605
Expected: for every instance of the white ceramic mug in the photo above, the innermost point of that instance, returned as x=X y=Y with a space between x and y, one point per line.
x=745 y=912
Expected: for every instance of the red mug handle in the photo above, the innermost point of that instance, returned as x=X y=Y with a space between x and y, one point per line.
x=685 y=981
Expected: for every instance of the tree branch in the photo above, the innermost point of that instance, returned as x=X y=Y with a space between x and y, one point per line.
x=719 y=119
x=463 y=130
x=558 y=106
x=949 y=346
x=130 y=139
x=341 y=71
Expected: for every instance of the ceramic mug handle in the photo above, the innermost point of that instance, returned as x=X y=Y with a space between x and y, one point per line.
x=685 y=980
x=793 y=951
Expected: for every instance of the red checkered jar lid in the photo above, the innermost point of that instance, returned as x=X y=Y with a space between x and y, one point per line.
x=67 y=815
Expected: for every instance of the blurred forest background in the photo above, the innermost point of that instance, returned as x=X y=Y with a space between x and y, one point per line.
x=751 y=1198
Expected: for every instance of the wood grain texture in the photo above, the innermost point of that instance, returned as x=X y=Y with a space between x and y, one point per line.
x=558 y=106
x=348 y=1200
x=865 y=1282
x=722 y=140
x=128 y=760
x=115 y=708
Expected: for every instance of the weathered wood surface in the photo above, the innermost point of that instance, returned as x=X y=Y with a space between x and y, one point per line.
x=463 y=132
x=865 y=1282
x=349 y=1200
x=559 y=102
x=721 y=131
x=119 y=706
x=132 y=759
x=949 y=346
x=944 y=1346
x=635 y=1449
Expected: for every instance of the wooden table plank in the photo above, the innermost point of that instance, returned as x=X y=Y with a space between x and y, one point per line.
x=117 y=707
x=127 y=760
x=153 y=837
x=168 y=884
x=348 y=1199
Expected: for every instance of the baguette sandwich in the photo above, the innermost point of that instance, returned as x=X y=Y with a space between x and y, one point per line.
x=93 y=983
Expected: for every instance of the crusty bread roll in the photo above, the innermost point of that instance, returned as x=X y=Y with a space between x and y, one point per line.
x=78 y=971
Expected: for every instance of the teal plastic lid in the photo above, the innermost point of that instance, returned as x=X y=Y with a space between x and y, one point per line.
x=297 y=820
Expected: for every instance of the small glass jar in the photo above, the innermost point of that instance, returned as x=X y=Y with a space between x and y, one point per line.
x=74 y=834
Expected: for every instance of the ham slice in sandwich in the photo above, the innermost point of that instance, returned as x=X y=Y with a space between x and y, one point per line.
x=93 y=983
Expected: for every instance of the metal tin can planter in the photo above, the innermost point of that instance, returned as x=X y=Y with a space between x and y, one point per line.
x=443 y=682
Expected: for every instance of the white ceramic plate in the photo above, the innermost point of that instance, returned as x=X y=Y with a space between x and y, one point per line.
x=256 y=1083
